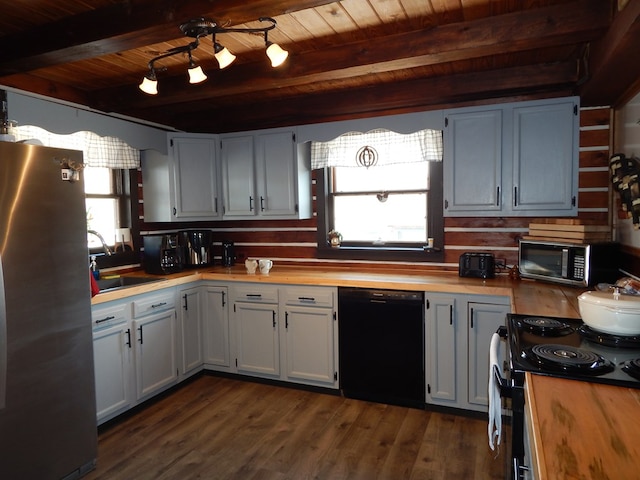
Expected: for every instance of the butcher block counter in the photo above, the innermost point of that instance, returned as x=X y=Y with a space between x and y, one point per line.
x=527 y=296
x=583 y=430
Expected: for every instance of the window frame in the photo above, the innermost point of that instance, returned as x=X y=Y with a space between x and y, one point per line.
x=387 y=252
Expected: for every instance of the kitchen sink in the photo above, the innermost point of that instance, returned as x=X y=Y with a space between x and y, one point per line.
x=109 y=284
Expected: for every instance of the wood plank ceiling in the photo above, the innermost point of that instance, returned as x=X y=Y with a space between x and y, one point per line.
x=348 y=59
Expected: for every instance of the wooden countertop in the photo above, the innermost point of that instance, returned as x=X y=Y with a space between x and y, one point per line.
x=583 y=430
x=527 y=296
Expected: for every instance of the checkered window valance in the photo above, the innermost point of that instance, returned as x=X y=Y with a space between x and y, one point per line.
x=391 y=148
x=97 y=151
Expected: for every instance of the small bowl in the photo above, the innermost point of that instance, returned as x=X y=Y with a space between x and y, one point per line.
x=610 y=312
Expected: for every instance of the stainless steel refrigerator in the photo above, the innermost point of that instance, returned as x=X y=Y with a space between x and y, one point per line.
x=47 y=391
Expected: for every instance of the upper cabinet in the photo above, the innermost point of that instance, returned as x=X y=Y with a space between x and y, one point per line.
x=185 y=185
x=265 y=174
x=516 y=159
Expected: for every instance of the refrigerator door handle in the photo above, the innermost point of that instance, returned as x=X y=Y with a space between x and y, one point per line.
x=3 y=341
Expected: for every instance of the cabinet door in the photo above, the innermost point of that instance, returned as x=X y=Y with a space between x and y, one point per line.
x=216 y=327
x=310 y=344
x=196 y=178
x=238 y=176
x=442 y=346
x=113 y=369
x=190 y=319
x=545 y=158
x=156 y=364
x=484 y=319
x=473 y=161
x=276 y=174
x=258 y=348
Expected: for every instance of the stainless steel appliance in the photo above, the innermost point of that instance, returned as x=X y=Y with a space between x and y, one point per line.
x=381 y=345
x=47 y=391
x=197 y=245
x=560 y=347
x=162 y=254
x=581 y=265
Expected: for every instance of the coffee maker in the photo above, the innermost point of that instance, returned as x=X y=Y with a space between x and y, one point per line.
x=228 y=254
x=197 y=246
x=162 y=254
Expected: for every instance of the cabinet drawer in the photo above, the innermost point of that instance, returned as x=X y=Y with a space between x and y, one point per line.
x=311 y=297
x=104 y=317
x=255 y=293
x=152 y=304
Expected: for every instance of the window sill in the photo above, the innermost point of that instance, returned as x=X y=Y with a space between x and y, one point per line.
x=381 y=254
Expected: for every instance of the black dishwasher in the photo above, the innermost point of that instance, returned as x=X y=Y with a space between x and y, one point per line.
x=381 y=345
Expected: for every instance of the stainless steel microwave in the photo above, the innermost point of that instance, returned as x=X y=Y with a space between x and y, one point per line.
x=580 y=265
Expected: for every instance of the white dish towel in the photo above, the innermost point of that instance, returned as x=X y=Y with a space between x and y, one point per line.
x=495 y=402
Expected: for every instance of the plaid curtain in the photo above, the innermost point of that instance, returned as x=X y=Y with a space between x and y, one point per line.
x=391 y=147
x=97 y=151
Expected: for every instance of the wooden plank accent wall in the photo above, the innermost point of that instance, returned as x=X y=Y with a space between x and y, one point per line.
x=294 y=241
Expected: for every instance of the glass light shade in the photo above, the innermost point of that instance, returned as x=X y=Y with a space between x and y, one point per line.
x=149 y=86
x=276 y=54
x=224 y=57
x=196 y=75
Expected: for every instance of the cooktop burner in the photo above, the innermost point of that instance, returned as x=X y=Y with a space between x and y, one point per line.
x=546 y=326
x=568 y=358
x=632 y=367
x=565 y=347
x=609 y=339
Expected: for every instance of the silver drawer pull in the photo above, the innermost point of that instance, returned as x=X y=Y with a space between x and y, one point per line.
x=105 y=319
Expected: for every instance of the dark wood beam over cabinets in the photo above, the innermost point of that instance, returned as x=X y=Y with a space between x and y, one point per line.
x=124 y=26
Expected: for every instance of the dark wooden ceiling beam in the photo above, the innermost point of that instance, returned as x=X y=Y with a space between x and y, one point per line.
x=125 y=26
x=398 y=97
x=613 y=68
x=579 y=21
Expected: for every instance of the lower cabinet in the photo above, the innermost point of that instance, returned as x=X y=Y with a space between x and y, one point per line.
x=190 y=329
x=458 y=333
x=215 y=326
x=134 y=349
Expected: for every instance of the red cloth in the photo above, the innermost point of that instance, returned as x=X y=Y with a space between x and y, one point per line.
x=95 y=289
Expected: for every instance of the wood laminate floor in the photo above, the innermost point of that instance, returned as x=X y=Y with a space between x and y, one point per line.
x=221 y=428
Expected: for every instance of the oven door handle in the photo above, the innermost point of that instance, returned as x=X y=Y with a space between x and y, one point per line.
x=506 y=388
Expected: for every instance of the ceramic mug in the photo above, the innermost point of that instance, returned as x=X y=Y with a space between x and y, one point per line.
x=251 y=265
x=265 y=265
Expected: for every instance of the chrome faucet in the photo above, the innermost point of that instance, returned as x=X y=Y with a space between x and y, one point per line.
x=105 y=247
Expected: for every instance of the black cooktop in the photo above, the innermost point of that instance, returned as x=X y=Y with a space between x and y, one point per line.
x=567 y=348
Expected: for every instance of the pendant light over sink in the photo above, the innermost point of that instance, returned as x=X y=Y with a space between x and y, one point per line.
x=202 y=27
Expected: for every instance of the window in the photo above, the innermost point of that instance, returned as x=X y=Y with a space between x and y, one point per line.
x=388 y=210
x=107 y=202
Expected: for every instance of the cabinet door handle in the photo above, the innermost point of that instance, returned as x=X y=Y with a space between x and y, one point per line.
x=186 y=303
x=450 y=314
x=215 y=204
x=223 y=302
x=286 y=320
x=261 y=203
x=515 y=196
x=471 y=318
x=105 y=319
x=498 y=196
x=250 y=203
x=446 y=204
x=274 y=318
x=140 y=330
x=128 y=342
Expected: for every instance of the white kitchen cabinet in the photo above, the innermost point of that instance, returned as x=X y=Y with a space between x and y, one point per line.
x=265 y=175
x=310 y=335
x=256 y=323
x=154 y=325
x=113 y=361
x=515 y=159
x=183 y=186
x=216 y=327
x=190 y=324
x=458 y=333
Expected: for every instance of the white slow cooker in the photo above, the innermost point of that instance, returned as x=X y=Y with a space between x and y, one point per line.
x=611 y=312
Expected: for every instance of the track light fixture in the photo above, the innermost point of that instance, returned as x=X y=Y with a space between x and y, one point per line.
x=202 y=27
